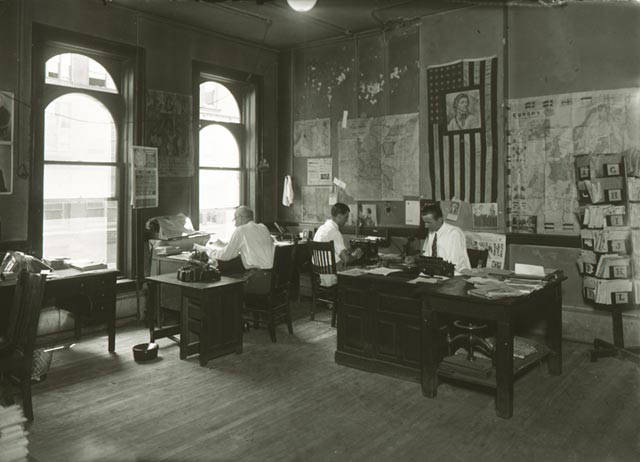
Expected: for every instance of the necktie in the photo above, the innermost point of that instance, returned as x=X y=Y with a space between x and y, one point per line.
x=434 y=245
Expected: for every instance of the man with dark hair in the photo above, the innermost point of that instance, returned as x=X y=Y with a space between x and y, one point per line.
x=330 y=231
x=445 y=241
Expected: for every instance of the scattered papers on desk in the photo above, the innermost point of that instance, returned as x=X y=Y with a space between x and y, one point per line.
x=434 y=276
x=492 y=288
x=382 y=271
x=424 y=280
x=353 y=272
x=86 y=265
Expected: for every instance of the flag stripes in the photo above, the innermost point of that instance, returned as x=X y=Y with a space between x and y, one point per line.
x=463 y=147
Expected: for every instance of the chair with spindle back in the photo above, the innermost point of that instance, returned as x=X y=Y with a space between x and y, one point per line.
x=16 y=355
x=324 y=279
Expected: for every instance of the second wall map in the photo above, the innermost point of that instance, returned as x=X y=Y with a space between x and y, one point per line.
x=378 y=157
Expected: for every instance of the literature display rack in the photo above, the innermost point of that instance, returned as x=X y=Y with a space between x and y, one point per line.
x=609 y=262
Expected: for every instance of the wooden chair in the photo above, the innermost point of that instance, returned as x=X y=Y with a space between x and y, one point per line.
x=16 y=355
x=274 y=306
x=324 y=279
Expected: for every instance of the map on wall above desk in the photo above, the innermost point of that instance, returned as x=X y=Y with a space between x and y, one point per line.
x=312 y=138
x=544 y=135
x=378 y=157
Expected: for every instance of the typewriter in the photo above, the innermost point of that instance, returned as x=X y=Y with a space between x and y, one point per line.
x=435 y=266
x=369 y=249
x=199 y=269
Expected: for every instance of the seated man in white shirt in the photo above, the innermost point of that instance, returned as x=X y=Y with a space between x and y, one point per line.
x=253 y=243
x=330 y=231
x=445 y=241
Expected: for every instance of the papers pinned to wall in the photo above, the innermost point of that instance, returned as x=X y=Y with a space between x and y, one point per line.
x=319 y=171
x=412 y=212
x=144 y=177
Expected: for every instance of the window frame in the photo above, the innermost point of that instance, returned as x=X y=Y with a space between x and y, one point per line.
x=124 y=63
x=246 y=89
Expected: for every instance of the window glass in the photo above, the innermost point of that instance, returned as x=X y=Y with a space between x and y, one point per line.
x=219 y=196
x=80 y=213
x=79 y=128
x=218 y=147
x=78 y=71
x=218 y=103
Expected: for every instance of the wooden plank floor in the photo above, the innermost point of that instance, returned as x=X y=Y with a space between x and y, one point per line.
x=290 y=401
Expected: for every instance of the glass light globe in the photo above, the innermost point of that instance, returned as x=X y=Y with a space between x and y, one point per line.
x=302 y=5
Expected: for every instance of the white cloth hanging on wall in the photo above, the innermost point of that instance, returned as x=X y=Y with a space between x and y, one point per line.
x=287 y=191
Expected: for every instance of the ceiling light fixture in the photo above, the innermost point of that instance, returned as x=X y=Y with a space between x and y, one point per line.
x=301 y=5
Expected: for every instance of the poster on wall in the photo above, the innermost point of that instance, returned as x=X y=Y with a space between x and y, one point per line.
x=319 y=171
x=144 y=177
x=6 y=142
x=485 y=215
x=495 y=243
x=168 y=127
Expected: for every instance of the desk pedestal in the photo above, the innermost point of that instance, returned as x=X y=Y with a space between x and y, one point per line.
x=210 y=316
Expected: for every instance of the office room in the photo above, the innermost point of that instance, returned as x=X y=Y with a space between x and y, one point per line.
x=319 y=230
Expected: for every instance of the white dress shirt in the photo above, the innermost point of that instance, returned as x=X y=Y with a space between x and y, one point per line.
x=330 y=231
x=451 y=246
x=252 y=241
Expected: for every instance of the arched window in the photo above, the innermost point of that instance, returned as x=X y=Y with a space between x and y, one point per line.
x=78 y=71
x=81 y=160
x=218 y=103
x=221 y=158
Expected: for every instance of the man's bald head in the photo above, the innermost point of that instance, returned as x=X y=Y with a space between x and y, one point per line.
x=243 y=215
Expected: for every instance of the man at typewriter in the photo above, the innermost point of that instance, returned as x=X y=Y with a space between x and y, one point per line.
x=445 y=241
x=253 y=244
x=330 y=231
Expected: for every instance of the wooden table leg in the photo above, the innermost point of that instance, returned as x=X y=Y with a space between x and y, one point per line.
x=554 y=333
x=184 y=327
x=111 y=324
x=152 y=308
x=504 y=369
x=430 y=357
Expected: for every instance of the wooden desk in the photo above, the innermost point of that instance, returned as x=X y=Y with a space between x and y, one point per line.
x=212 y=311
x=87 y=295
x=388 y=326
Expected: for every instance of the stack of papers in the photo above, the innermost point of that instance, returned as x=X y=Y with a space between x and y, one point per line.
x=86 y=265
x=13 y=437
x=613 y=266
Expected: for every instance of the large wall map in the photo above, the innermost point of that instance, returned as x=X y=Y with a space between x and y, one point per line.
x=544 y=133
x=378 y=158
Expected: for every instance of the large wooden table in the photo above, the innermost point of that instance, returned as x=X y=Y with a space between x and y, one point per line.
x=389 y=326
x=210 y=311
x=89 y=295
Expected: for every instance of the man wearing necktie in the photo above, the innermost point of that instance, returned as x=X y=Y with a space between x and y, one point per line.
x=445 y=241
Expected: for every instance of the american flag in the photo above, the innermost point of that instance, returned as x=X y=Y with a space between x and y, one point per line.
x=463 y=156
